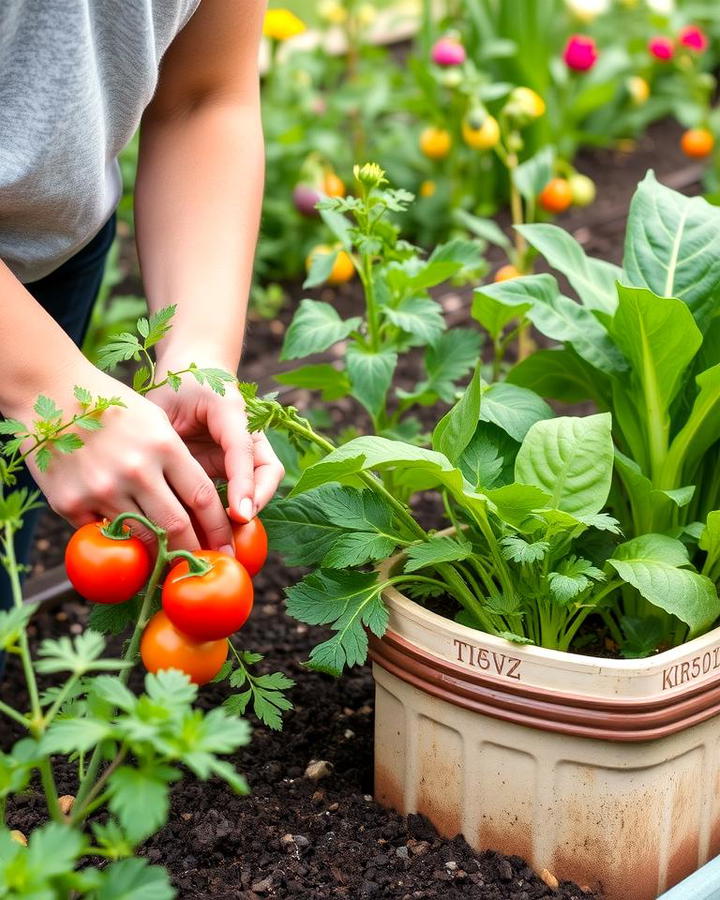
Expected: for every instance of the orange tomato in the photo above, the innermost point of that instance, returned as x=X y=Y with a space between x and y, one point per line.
x=505 y=273
x=162 y=646
x=427 y=188
x=435 y=143
x=697 y=143
x=343 y=268
x=556 y=196
x=333 y=185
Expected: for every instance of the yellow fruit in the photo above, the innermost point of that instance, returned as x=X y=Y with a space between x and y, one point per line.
x=435 y=143
x=427 y=188
x=524 y=101
x=639 y=89
x=480 y=131
x=505 y=273
x=343 y=268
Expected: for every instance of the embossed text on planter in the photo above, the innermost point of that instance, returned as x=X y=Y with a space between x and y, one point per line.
x=681 y=673
x=490 y=661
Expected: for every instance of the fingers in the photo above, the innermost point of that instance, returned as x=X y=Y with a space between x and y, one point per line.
x=229 y=428
x=197 y=492
x=163 y=508
x=269 y=471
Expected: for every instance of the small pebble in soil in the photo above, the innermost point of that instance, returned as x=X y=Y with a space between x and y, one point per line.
x=66 y=803
x=549 y=879
x=317 y=769
x=402 y=852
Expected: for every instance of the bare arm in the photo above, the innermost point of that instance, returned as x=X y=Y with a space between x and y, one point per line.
x=198 y=199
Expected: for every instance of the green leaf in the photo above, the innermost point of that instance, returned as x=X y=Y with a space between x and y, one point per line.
x=701 y=429
x=514 y=503
x=352 y=509
x=495 y=311
x=434 y=551
x=315 y=327
x=571 y=577
x=523 y=552
x=350 y=601
x=46 y=409
x=298 y=528
x=370 y=376
x=531 y=176
x=652 y=564
x=145 y=788
x=486 y=229
x=79 y=654
x=365 y=454
x=113 y=618
x=321 y=265
x=672 y=247
x=13 y=622
x=659 y=337
x=54 y=848
x=421 y=317
x=512 y=408
x=82 y=395
x=455 y=430
x=357 y=549
x=333 y=382
x=43 y=458
x=593 y=279
x=560 y=374
x=12 y=426
x=67 y=442
x=449 y=359
x=710 y=543
x=74 y=735
x=489 y=458
x=135 y=879
x=122 y=347
x=159 y=324
x=571 y=459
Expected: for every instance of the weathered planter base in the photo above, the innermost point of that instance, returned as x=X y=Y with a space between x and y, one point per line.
x=613 y=783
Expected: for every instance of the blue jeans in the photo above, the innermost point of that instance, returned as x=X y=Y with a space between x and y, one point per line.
x=68 y=294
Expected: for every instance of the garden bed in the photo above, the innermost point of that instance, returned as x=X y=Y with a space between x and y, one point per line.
x=298 y=837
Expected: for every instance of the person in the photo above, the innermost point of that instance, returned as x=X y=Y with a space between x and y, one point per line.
x=77 y=78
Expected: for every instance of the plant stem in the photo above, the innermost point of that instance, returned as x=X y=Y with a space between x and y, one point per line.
x=81 y=806
x=130 y=654
x=14 y=714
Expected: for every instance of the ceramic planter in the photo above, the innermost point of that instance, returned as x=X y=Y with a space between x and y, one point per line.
x=603 y=771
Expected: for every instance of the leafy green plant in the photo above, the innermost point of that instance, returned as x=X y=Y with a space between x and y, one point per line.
x=127 y=749
x=399 y=314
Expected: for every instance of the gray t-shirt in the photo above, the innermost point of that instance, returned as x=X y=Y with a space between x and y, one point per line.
x=75 y=77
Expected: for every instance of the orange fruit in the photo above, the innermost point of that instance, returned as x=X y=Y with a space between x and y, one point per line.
x=333 y=185
x=505 y=273
x=435 y=143
x=556 y=196
x=343 y=268
x=697 y=143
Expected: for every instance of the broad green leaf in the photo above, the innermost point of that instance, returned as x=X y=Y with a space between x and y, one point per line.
x=351 y=602
x=531 y=176
x=495 y=310
x=315 y=327
x=561 y=375
x=672 y=247
x=435 y=551
x=489 y=458
x=419 y=316
x=593 y=279
x=54 y=848
x=652 y=564
x=299 y=528
x=370 y=376
x=571 y=459
x=455 y=430
x=652 y=508
x=355 y=510
x=514 y=409
x=710 y=543
x=321 y=265
x=74 y=735
x=700 y=431
x=515 y=502
x=487 y=229
x=448 y=360
x=135 y=879
x=365 y=454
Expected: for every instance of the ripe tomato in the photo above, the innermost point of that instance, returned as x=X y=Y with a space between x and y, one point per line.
x=211 y=606
x=333 y=185
x=480 y=131
x=697 y=143
x=505 y=273
x=556 y=196
x=251 y=544
x=104 y=569
x=343 y=268
x=435 y=143
x=162 y=646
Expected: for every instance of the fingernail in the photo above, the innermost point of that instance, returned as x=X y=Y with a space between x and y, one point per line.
x=245 y=508
x=228 y=550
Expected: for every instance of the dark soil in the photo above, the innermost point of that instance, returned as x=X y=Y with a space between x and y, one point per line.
x=293 y=837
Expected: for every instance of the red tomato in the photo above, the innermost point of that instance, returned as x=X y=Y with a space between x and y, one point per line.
x=251 y=544
x=211 y=606
x=104 y=569
x=162 y=646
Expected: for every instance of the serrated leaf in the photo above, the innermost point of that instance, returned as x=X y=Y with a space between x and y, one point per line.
x=159 y=324
x=46 y=409
x=78 y=654
x=352 y=550
x=121 y=348
x=421 y=317
x=435 y=551
x=315 y=327
x=332 y=382
x=370 y=376
x=448 y=360
x=298 y=528
x=67 y=443
x=82 y=395
x=113 y=618
x=135 y=879
x=350 y=602
x=74 y=735
x=521 y=551
x=12 y=426
x=13 y=621
x=132 y=789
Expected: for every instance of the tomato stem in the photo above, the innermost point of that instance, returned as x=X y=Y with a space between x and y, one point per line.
x=117 y=532
x=196 y=565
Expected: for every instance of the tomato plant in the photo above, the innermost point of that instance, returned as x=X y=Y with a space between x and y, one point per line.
x=251 y=544
x=106 y=569
x=211 y=602
x=162 y=646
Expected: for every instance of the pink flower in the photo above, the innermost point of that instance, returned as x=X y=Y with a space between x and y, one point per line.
x=694 y=38
x=661 y=48
x=448 y=52
x=580 y=53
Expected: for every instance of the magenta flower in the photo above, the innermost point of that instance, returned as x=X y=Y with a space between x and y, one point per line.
x=693 y=38
x=661 y=48
x=448 y=52
x=580 y=53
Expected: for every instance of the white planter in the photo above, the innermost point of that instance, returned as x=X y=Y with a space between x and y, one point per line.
x=605 y=772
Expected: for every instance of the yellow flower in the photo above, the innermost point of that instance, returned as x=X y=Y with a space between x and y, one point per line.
x=366 y=14
x=281 y=24
x=332 y=11
x=529 y=102
x=427 y=188
x=638 y=89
